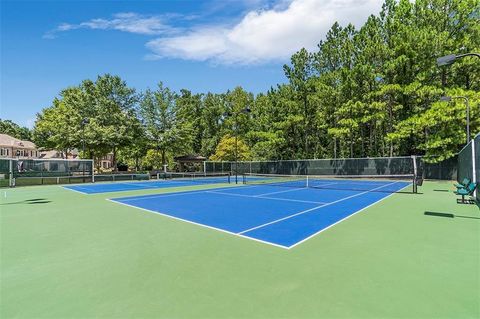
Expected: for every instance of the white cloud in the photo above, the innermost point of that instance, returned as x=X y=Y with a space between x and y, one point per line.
x=126 y=22
x=265 y=35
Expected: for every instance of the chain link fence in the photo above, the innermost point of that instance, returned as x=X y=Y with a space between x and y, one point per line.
x=37 y=171
x=445 y=170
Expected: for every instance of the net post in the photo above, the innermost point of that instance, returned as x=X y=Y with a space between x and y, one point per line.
x=205 y=167
x=474 y=169
x=414 y=159
x=308 y=182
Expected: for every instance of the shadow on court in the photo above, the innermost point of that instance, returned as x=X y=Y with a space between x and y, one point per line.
x=30 y=201
x=448 y=215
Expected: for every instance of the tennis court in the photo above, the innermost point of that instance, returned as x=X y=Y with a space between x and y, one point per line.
x=407 y=256
x=282 y=210
x=170 y=180
x=373 y=244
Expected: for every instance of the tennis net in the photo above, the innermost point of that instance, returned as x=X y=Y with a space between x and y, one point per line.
x=49 y=180
x=121 y=177
x=197 y=177
x=76 y=179
x=371 y=183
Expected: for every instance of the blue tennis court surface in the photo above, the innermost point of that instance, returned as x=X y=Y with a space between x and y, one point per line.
x=97 y=188
x=277 y=215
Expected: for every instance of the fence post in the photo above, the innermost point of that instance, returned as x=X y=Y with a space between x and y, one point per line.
x=414 y=173
x=474 y=173
x=10 y=173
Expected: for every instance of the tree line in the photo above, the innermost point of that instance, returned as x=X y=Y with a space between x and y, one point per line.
x=367 y=92
x=13 y=129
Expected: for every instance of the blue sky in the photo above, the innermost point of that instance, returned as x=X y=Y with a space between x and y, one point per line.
x=203 y=46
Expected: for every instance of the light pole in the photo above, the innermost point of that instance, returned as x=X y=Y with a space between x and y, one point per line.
x=449 y=99
x=245 y=110
x=451 y=58
x=84 y=122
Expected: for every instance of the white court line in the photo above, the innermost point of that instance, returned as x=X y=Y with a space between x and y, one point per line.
x=240 y=234
x=311 y=209
x=74 y=190
x=286 y=217
x=137 y=185
x=346 y=217
x=321 y=184
x=126 y=182
x=293 y=200
x=86 y=189
x=261 y=197
x=284 y=191
x=202 y=225
x=139 y=197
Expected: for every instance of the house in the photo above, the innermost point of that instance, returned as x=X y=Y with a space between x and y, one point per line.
x=190 y=162
x=11 y=147
x=106 y=162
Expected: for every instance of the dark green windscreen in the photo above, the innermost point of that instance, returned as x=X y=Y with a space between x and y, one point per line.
x=465 y=163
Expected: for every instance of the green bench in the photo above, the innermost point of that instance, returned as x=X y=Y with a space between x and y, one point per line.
x=463 y=184
x=466 y=191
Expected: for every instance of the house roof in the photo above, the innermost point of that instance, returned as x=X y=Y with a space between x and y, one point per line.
x=10 y=141
x=50 y=154
x=58 y=154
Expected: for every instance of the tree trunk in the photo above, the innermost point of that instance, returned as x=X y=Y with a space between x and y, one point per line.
x=371 y=141
x=351 y=146
x=390 y=125
x=98 y=161
x=334 y=147
x=114 y=159
x=362 y=139
x=444 y=77
x=307 y=130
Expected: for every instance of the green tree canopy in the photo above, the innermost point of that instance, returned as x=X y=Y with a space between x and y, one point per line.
x=13 y=129
x=165 y=131
x=366 y=91
x=226 y=150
